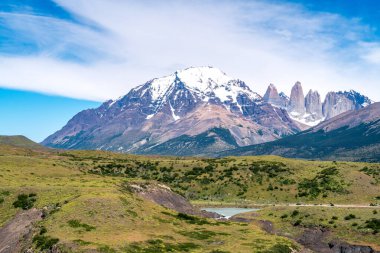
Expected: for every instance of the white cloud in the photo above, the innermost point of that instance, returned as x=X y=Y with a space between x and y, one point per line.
x=255 y=41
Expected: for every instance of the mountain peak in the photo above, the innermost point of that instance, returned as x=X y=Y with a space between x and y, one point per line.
x=271 y=96
x=297 y=84
x=297 y=100
x=202 y=82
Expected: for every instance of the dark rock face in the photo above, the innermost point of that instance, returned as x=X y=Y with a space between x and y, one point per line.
x=342 y=247
x=163 y=195
x=184 y=103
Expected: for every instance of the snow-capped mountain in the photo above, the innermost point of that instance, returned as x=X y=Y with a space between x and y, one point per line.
x=193 y=85
x=189 y=102
x=310 y=110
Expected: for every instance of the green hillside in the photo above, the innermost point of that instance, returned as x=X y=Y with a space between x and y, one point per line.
x=360 y=143
x=207 y=143
x=88 y=208
x=19 y=141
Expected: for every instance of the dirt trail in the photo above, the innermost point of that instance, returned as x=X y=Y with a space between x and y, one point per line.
x=18 y=229
x=329 y=205
x=301 y=205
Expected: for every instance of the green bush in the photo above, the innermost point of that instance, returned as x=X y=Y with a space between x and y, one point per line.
x=295 y=213
x=44 y=242
x=78 y=224
x=279 y=248
x=297 y=223
x=325 y=181
x=350 y=217
x=373 y=224
x=25 y=201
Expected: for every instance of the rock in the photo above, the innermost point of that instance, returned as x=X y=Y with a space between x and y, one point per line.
x=164 y=196
x=339 y=102
x=273 y=97
x=297 y=100
x=16 y=234
x=336 y=104
x=343 y=247
x=313 y=105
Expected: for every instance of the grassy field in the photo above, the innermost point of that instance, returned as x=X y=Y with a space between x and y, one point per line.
x=249 y=180
x=87 y=208
x=354 y=225
x=88 y=211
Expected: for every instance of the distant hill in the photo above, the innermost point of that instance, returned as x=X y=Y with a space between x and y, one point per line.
x=19 y=141
x=351 y=136
x=204 y=144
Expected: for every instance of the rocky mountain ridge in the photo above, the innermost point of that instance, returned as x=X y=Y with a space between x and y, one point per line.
x=351 y=136
x=188 y=102
x=197 y=111
x=310 y=109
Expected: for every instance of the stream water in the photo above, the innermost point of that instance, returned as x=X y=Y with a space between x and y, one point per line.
x=229 y=211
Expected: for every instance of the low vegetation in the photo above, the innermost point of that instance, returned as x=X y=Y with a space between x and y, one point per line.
x=90 y=211
x=354 y=225
x=25 y=201
x=86 y=206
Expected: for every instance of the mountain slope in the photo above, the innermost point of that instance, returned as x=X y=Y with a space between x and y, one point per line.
x=353 y=135
x=209 y=142
x=19 y=141
x=188 y=102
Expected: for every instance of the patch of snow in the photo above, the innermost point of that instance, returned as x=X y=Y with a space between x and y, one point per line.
x=305 y=119
x=112 y=103
x=150 y=116
x=175 y=117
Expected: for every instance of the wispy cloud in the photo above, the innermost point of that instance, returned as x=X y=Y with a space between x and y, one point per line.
x=256 y=41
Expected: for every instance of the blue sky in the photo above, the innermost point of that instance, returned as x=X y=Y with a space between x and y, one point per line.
x=64 y=53
x=36 y=115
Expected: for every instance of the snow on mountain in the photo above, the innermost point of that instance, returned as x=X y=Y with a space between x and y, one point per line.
x=189 y=101
x=202 y=83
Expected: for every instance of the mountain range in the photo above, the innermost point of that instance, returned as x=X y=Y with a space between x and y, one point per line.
x=350 y=136
x=309 y=109
x=199 y=111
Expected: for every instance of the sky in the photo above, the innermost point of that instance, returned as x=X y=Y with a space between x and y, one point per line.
x=36 y=115
x=64 y=56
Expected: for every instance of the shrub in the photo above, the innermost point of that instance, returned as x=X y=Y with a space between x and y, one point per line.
x=78 y=224
x=25 y=201
x=373 y=224
x=350 y=217
x=295 y=213
x=279 y=248
x=43 y=230
x=44 y=242
x=297 y=223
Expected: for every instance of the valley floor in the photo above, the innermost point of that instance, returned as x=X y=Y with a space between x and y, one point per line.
x=87 y=204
